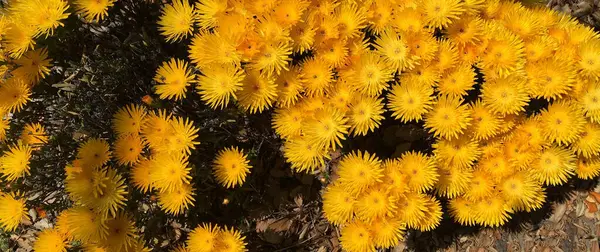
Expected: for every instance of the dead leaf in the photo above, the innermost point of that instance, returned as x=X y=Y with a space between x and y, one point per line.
x=261 y=226
x=591 y=207
x=298 y=200
x=596 y=196
x=281 y=225
x=322 y=249
x=559 y=212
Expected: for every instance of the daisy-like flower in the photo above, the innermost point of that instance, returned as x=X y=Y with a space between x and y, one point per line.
x=111 y=194
x=338 y=204
x=482 y=185
x=203 y=238
x=461 y=152
x=94 y=153
x=504 y=51
x=93 y=10
x=120 y=233
x=372 y=74
x=388 y=232
x=34 y=134
x=376 y=202
x=129 y=120
x=550 y=79
x=86 y=225
x=410 y=101
x=452 y=182
x=447 y=57
x=12 y=211
x=50 y=240
x=589 y=59
x=492 y=211
x=462 y=211
x=523 y=192
x=448 y=117
x=317 y=76
x=588 y=145
x=14 y=163
x=140 y=175
x=485 y=123
x=176 y=201
x=506 y=95
x=590 y=102
x=173 y=78
x=356 y=236
x=303 y=154
x=327 y=128
x=289 y=87
x=209 y=11
x=230 y=240
x=20 y=39
x=180 y=137
x=176 y=20
x=303 y=37
x=458 y=81
x=288 y=122
x=394 y=50
x=441 y=13
x=219 y=83
x=554 y=166
x=411 y=208
x=359 y=170
x=433 y=215
x=258 y=92
x=33 y=65
x=562 y=122
x=209 y=49
x=169 y=171
x=230 y=167
x=351 y=18
x=14 y=94
x=273 y=58
x=588 y=168
x=365 y=115
x=467 y=30
x=128 y=149
x=420 y=169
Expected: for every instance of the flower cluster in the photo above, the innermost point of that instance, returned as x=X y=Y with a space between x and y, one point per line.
x=467 y=69
x=209 y=238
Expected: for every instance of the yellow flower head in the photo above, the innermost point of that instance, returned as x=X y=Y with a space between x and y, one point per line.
x=338 y=204
x=217 y=84
x=50 y=240
x=503 y=53
x=433 y=215
x=169 y=171
x=388 y=232
x=462 y=211
x=376 y=202
x=111 y=194
x=93 y=10
x=140 y=175
x=14 y=163
x=34 y=134
x=86 y=225
x=420 y=170
x=505 y=95
x=176 y=201
x=258 y=92
x=208 y=12
x=485 y=123
x=176 y=20
x=12 y=211
x=467 y=30
x=273 y=58
x=303 y=154
x=522 y=191
x=441 y=13
x=448 y=117
x=458 y=81
x=589 y=59
x=394 y=50
x=317 y=76
x=33 y=65
x=446 y=58
x=554 y=166
x=120 y=233
x=492 y=211
x=94 y=153
x=230 y=240
x=482 y=186
x=209 y=49
x=588 y=168
x=128 y=149
x=129 y=120
x=359 y=170
x=461 y=152
x=230 y=167
x=173 y=78
x=351 y=19
x=562 y=122
x=550 y=79
x=365 y=115
x=372 y=74
x=410 y=101
x=288 y=122
x=20 y=39
x=588 y=145
x=327 y=128
x=411 y=208
x=14 y=94
x=290 y=84
x=203 y=238
x=356 y=237
x=452 y=182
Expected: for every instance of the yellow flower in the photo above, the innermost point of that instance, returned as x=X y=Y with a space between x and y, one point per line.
x=289 y=86
x=230 y=240
x=374 y=203
x=588 y=168
x=140 y=175
x=93 y=10
x=203 y=238
x=394 y=50
x=462 y=211
x=34 y=134
x=173 y=78
x=86 y=225
x=441 y=13
x=554 y=166
x=589 y=59
x=365 y=115
x=94 y=152
x=420 y=170
x=351 y=19
x=485 y=124
x=446 y=58
x=461 y=152
x=230 y=167
x=522 y=192
x=12 y=211
x=33 y=65
x=217 y=84
x=304 y=155
x=550 y=79
x=209 y=11
x=273 y=58
x=327 y=128
x=467 y=30
x=209 y=49
x=303 y=37
x=458 y=81
x=562 y=122
x=19 y=39
x=452 y=182
x=388 y=232
x=356 y=237
x=410 y=101
x=4 y=126
x=316 y=76
x=176 y=20
x=506 y=95
x=482 y=186
x=448 y=117
x=169 y=171
x=14 y=94
x=120 y=233
x=111 y=195
x=492 y=211
x=411 y=208
x=371 y=74
x=433 y=215
x=338 y=204
x=128 y=149
x=359 y=170
x=179 y=138
x=176 y=201
x=14 y=163
x=155 y=129
x=588 y=145
x=504 y=51
x=50 y=240
x=258 y=92
x=129 y=120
